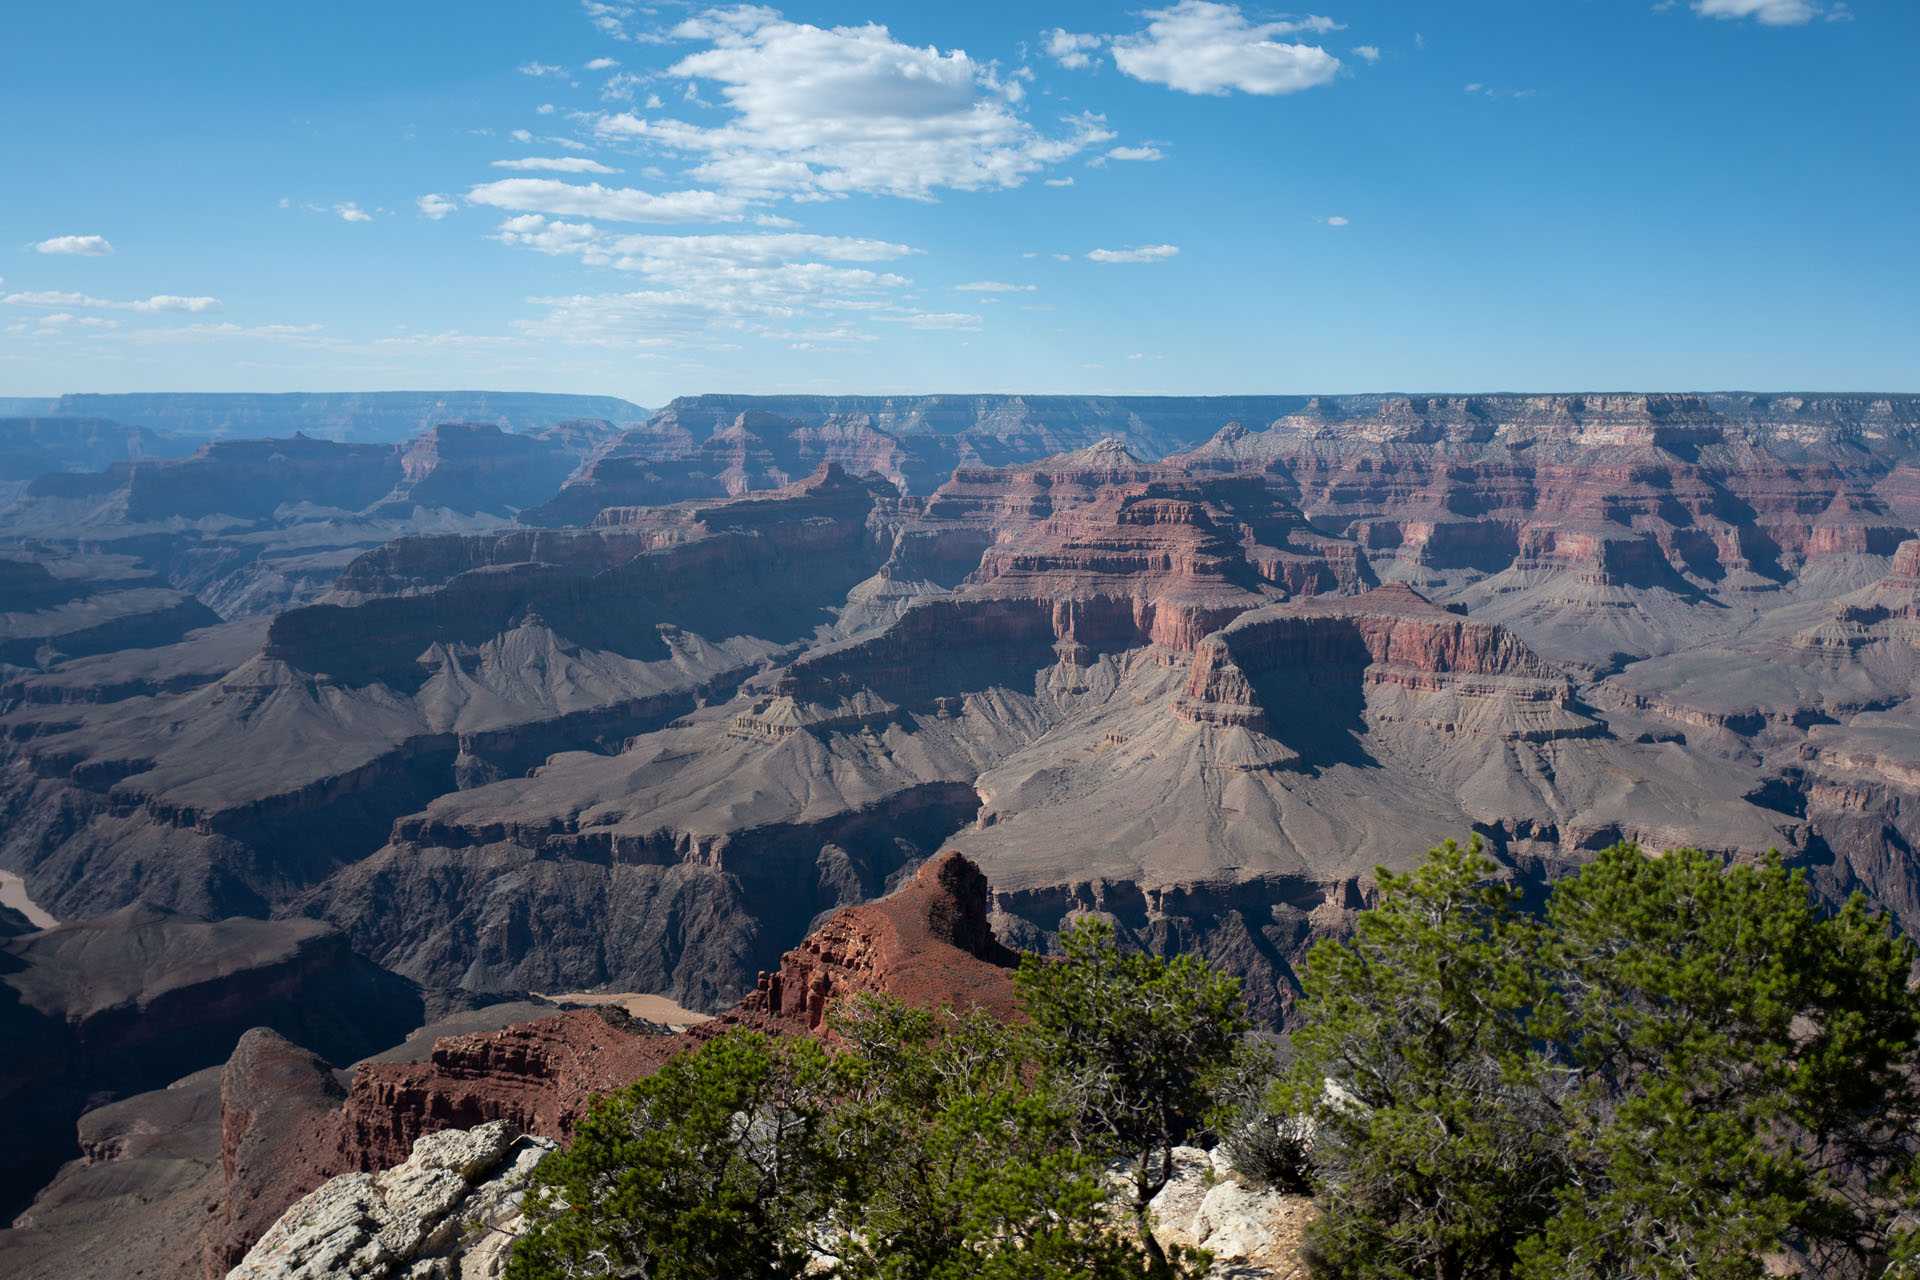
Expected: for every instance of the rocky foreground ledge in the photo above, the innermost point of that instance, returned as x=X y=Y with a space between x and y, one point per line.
x=452 y=1210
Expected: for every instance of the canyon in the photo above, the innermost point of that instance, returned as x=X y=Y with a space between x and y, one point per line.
x=641 y=706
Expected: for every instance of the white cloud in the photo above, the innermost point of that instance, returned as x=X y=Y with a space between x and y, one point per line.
x=621 y=204
x=1198 y=46
x=158 y=302
x=609 y=18
x=1336 y=221
x=940 y=320
x=435 y=206
x=1134 y=153
x=556 y=164
x=81 y=246
x=1773 y=13
x=824 y=112
x=544 y=109
x=1136 y=253
x=1059 y=182
x=541 y=69
x=1070 y=50
x=1368 y=51
x=621 y=87
x=352 y=212
x=602 y=64
x=993 y=286
x=705 y=289
x=1063 y=257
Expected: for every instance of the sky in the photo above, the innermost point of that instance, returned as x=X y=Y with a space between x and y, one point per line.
x=1190 y=197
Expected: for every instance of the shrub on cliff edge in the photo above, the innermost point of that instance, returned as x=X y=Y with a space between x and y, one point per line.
x=1678 y=1068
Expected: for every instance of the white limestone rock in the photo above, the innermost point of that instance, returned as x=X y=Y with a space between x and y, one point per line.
x=1252 y=1234
x=449 y=1211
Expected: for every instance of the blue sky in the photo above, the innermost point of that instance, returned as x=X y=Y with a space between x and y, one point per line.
x=1185 y=197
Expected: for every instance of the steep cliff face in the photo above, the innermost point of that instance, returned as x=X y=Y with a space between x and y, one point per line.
x=132 y=1000
x=58 y=607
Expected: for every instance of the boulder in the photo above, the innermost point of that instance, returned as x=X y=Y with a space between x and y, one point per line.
x=450 y=1210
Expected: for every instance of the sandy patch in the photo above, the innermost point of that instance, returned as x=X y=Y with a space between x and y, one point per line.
x=638 y=1004
x=13 y=893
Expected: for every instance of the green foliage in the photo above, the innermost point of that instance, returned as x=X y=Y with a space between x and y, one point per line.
x=1135 y=1044
x=961 y=1168
x=1411 y=1062
x=712 y=1169
x=927 y=1145
x=1680 y=1068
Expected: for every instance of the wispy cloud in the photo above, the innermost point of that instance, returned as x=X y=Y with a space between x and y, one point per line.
x=1136 y=253
x=158 y=302
x=993 y=286
x=556 y=164
x=352 y=212
x=620 y=204
x=435 y=206
x=1134 y=153
x=541 y=69
x=1772 y=13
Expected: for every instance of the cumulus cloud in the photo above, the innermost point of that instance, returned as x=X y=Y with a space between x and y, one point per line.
x=158 y=302
x=80 y=246
x=1134 y=153
x=602 y=64
x=352 y=212
x=1773 y=13
x=1136 y=253
x=1335 y=221
x=1059 y=182
x=1368 y=51
x=435 y=206
x=621 y=204
x=993 y=286
x=824 y=112
x=556 y=164
x=1070 y=50
x=1200 y=47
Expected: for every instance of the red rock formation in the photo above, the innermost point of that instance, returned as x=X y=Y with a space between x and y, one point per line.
x=286 y=1130
x=279 y=1127
x=929 y=943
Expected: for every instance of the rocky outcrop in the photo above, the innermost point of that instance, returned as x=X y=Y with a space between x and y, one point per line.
x=1253 y=1233
x=931 y=943
x=440 y=1213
